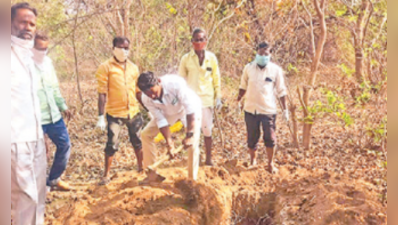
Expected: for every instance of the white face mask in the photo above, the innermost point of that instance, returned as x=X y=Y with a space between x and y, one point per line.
x=26 y=44
x=121 y=54
x=39 y=56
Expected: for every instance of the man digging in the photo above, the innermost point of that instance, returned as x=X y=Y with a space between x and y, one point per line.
x=169 y=100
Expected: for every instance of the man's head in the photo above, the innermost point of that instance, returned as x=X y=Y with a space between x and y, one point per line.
x=199 y=39
x=23 y=21
x=263 y=56
x=121 y=48
x=264 y=49
x=41 y=42
x=121 y=42
x=150 y=85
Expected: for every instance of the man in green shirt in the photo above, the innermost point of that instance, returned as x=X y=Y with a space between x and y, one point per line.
x=52 y=106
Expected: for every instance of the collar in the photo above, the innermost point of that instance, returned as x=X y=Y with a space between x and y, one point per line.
x=193 y=53
x=165 y=93
x=113 y=60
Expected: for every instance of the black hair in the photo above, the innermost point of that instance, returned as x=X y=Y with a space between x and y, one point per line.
x=41 y=36
x=22 y=5
x=147 y=80
x=197 y=31
x=263 y=45
x=119 y=39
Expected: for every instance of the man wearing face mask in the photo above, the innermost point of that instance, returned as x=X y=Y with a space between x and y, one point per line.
x=118 y=97
x=262 y=82
x=201 y=71
x=28 y=155
x=52 y=106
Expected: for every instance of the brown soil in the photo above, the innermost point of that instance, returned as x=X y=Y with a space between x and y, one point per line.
x=220 y=197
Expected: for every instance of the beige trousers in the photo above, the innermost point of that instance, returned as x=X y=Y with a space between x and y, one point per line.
x=28 y=183
x=149 y=146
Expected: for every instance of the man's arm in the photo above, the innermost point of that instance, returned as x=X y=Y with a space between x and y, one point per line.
x=161 y=122
x=59 y=99
x=165 y=131
x=281 y=88
x=241 y=94
x=101 y=104
x=102 y=76
x=138 y=95
x=284 y=102
x=183 y=69
x=243 y=84
x=190 y=123
x=216 y=79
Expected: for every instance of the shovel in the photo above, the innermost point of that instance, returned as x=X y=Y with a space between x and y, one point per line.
x=152 y=176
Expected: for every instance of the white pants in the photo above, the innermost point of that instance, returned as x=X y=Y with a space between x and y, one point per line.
x=207 y=121
x=149 y=147
x=28 y=182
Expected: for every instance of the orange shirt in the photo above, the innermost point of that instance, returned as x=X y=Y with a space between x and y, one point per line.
x=119 y=85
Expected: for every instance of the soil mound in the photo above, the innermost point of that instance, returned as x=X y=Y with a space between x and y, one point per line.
x=224 y=195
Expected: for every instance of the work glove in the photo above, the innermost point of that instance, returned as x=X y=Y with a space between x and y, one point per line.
x=101 y=123
x=219 y=104
x=286 y=115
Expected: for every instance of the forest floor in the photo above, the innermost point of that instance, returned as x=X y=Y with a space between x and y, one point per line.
x=340 y=180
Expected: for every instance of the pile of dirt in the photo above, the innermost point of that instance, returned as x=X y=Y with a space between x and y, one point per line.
x=230 y=194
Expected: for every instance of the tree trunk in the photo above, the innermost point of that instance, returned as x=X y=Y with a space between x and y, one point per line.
x=358 y=34
x=295 y=137
x=320 y=9
x=307 y=136
x=76 y=58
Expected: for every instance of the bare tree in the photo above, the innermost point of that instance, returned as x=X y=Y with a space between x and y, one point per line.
x=320 y=11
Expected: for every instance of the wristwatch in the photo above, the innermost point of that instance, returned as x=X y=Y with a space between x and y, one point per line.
x=189 y=135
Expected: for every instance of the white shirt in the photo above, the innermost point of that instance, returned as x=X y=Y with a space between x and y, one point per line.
x=178 y=101
x=25 y=107
x=262 y=87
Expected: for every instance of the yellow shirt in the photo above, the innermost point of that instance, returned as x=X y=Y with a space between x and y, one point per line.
x=205 y=80
x=119 y=85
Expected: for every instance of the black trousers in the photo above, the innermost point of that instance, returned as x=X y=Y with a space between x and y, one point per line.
x=134 y=127
x=254 y=123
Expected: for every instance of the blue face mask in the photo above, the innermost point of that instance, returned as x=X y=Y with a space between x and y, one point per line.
x=263 y=60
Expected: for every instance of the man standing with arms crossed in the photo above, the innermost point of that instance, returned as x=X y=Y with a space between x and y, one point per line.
x=262 y=82
x=201 y=71
x=52 y=106
x=118 y=94
x=28 y=154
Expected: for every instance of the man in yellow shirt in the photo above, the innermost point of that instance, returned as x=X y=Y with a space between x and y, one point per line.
x=200 y=69
x=118 y=95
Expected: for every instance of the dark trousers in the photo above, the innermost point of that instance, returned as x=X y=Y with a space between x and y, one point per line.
x=134 y=127
x=254 y=124
x=59 y=135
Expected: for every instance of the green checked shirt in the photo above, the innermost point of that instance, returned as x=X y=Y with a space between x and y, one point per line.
x=51 y=101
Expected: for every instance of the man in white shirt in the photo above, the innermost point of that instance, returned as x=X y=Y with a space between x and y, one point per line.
x=169 y=99
x=28 y=155
x=262 y=82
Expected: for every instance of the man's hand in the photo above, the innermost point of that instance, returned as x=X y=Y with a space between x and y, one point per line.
x=101 y=123
x=286 y=115
x=67 y=114
x=188 y=141
x=170 y=150
x=219 y=104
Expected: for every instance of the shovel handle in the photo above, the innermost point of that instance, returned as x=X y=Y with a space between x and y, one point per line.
x=165 y=158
